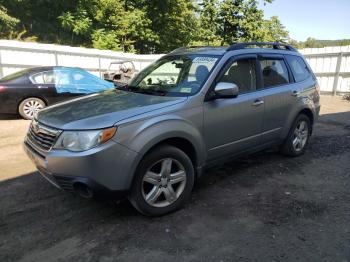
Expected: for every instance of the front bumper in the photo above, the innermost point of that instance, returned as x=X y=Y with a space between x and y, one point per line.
x=108 y=168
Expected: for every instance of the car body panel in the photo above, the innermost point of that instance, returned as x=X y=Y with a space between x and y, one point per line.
x=216 y=128
x=109 y=107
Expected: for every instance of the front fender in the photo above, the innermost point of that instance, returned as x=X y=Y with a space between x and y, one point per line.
x=141 y=136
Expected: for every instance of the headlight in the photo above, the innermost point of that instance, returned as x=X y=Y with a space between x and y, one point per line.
x=83 y=140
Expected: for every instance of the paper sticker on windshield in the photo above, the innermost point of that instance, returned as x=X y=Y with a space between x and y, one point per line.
x=204 y=59
x=185 y=90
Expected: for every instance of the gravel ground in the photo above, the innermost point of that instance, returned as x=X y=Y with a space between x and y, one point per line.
x=265 y=207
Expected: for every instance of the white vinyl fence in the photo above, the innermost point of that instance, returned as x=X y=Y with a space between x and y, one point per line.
x=15 y=56
x=330 y=64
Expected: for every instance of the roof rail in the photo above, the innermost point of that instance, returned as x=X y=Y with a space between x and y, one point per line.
x=274 y=45
x=193 y=46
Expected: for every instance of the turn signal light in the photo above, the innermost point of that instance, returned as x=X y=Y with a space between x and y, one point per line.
x=107 y=134
x=2 y=88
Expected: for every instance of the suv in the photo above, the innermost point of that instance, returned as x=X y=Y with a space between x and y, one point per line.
x=193 y=108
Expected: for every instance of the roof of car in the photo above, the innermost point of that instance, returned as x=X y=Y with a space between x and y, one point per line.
x=47 y=68
x=213 y=50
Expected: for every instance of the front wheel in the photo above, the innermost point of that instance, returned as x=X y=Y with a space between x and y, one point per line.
x=298 y=136
x=163 y=181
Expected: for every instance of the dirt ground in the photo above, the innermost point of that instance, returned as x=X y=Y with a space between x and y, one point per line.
x=264 y=207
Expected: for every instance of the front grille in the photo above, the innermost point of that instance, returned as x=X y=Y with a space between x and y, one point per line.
x=42 y=136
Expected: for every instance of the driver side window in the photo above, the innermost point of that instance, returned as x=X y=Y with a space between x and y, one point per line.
x=242 y=73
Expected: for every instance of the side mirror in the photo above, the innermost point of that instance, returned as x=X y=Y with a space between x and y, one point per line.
x=226 y=90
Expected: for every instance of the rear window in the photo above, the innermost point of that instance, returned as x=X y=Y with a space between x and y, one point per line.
x=298 y=67
x=274 y=72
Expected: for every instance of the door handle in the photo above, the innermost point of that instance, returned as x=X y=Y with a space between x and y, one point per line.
x=42 y=87
x=295 y=93
x=258 y=102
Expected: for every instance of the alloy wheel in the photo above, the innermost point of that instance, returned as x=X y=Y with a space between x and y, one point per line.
x=301 y=134
x=164 y=182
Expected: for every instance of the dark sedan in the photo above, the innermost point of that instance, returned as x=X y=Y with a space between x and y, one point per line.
x=30 y=90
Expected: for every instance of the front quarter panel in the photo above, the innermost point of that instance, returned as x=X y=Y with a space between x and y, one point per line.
x=140 y=136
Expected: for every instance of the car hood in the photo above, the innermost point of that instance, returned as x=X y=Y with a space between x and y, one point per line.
x=102 y=110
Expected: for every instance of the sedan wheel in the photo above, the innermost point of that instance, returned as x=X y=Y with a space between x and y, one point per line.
x=30 y=106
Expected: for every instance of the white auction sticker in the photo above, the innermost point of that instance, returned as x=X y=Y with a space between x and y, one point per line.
x=205 y=59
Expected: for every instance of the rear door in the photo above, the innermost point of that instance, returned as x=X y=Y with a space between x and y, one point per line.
x=279 y=98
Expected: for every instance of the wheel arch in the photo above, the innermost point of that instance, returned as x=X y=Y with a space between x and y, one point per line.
x=142 y=138
x=309 y=114
x=303 y=108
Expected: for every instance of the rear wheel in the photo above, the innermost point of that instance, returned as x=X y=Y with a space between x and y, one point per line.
x=298 y=136
x=29 y=106
x=163 y=182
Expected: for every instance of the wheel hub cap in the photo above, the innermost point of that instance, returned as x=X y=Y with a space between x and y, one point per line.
x=32 y=106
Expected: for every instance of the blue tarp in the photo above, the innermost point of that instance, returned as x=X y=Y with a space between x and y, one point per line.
x=78 y=81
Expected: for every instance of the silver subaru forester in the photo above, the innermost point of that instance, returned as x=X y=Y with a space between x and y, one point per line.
x=193 y=108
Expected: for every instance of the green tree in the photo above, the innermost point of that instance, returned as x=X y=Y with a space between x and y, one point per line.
x=240 y=20
x=144 y=26
x=274 y=31
x=312 y=43
x=208 y=24
x=7 y=22
x=172 y=21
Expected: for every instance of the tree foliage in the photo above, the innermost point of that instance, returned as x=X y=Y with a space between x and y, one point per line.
x=7 y=22
x=142 y=26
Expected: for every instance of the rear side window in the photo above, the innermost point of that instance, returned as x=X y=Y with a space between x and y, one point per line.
x=43 y=78
x=274 y=72
x=299 y=68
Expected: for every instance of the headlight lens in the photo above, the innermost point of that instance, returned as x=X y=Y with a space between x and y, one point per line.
x=84 y=140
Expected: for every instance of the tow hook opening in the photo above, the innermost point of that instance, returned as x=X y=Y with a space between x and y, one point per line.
x=83 y=190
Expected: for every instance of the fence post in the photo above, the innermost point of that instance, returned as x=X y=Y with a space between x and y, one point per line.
x=99 y=66
x=56 y=58
x=1 y=69
x=337 y=73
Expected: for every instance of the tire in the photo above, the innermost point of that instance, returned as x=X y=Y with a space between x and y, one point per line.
x=163 y=181
x=298 y=137
x=29 y=106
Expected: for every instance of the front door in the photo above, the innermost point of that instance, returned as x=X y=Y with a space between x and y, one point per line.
x=233 y=125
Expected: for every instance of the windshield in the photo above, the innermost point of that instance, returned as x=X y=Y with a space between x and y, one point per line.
x=179 y=75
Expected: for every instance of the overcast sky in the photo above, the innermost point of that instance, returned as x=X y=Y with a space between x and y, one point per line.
x=320 y=19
